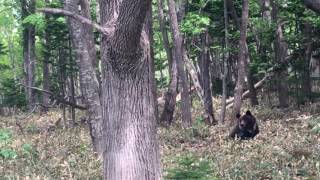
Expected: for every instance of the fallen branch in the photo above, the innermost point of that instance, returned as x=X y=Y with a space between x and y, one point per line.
x=247 y=93
x=57 y=97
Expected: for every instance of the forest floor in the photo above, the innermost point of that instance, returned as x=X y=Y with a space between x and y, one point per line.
x=288 y=147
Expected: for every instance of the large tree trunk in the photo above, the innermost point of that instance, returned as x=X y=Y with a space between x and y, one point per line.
x=243 y=53
x=28 y=7
x=204 y=63
x=89 y=82
x=177 y=41
x=281 y=51
x=132 y=150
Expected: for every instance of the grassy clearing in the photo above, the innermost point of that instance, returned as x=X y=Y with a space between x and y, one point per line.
x=288 y=147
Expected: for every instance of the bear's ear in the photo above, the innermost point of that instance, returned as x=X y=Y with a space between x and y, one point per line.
x=248 y=113
x=238 y=115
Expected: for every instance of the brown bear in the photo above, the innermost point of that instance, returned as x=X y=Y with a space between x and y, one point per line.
x=246 y=127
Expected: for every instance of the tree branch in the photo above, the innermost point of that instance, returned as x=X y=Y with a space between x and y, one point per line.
x=57 y=97
x=105 y=30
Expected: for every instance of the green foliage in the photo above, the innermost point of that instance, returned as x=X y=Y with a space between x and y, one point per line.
x=5 y=136
x=37 y=20
x=12 y=93
x=8 y=153
x=190 y=167
x=2 y=49
x=5 y=139
x=195 y=24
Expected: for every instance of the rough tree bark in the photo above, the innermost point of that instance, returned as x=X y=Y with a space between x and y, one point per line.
x=132 y=150
x=29 y=56
x=177 y=41
x=281 y=52
x=89 y=84
x=241 y=59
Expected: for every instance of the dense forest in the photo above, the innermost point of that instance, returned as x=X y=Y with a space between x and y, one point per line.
x=162 y=89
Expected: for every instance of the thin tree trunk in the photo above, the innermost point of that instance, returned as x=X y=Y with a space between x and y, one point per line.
x=204 y=63
x=163 y=29
x=209 y=119
x=132 y=150
x=280 y=49
x=149 y=31
x=28 y=7
x=253 y=93
x=170 y=96
x=306 y=81
x=225 y=64
x=45 y=68
x=265 y=9
x=241 y=59
x=177 y=39
x=89 y=83
x=89 y=36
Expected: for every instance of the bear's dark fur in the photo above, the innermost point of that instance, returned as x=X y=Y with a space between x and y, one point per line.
x=246 y=127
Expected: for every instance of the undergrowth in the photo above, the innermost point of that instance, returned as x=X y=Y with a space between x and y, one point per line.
x=287 y=147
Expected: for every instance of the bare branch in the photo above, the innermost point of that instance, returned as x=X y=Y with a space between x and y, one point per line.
x=57 y=97
x=105 y=30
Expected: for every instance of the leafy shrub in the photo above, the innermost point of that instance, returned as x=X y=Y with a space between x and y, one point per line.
x=5 y=137
x=8 y=153
x=191 y=167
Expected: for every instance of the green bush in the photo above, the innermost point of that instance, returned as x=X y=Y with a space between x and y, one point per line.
x=191 y=167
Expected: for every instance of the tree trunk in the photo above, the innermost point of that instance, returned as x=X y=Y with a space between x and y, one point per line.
x=313 y=5
x=177 y=40
x=280 y=49
x=241 y=59
x=253 y=93
x=204 y=64
x=265 y=9
x=252 y=90
x=89 y=83
x=149 y=31
x=170 y=96
x=45 y=69
x=166 y=44
x=306 y=81
x=89 y=36
x=225 y=64
x=132 y=150
x=28 y=7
